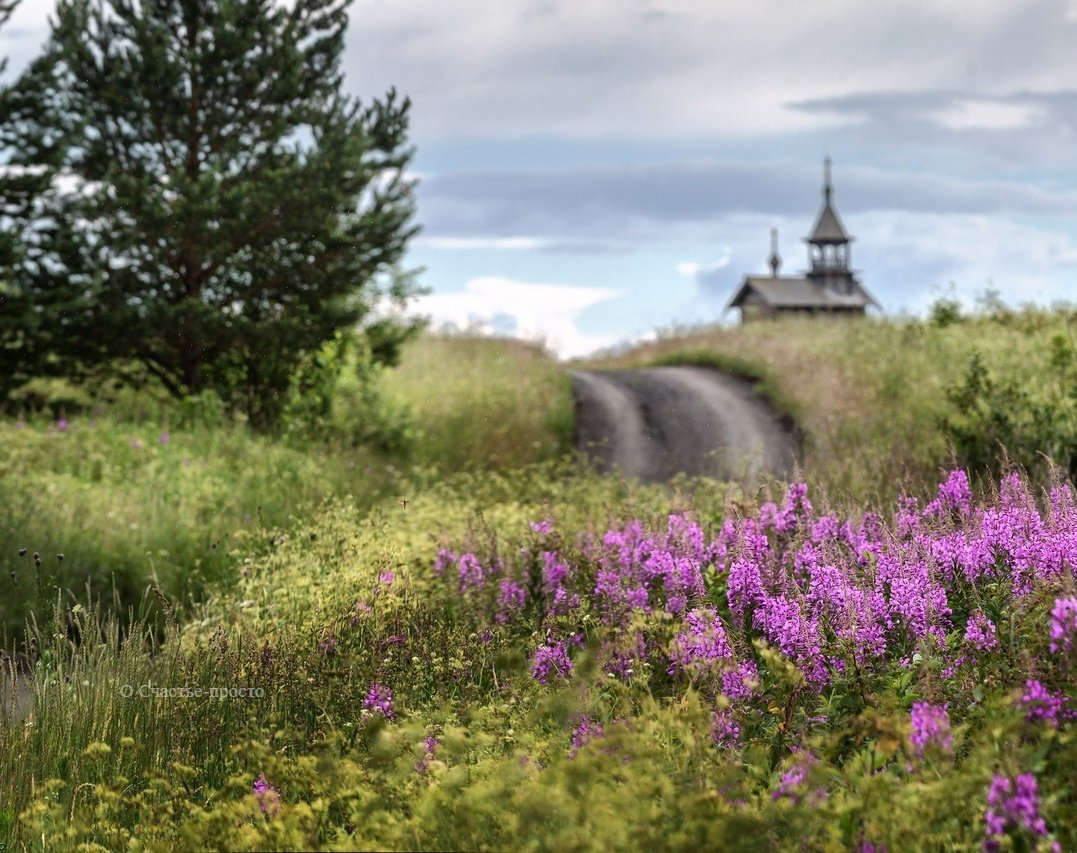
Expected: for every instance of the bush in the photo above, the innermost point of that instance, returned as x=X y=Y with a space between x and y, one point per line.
x=998 y=422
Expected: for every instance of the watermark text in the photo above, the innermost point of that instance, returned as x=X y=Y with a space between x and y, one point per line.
x=156 y=691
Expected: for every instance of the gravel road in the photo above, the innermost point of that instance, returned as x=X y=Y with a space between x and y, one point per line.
x=15 y=699
x=658 y=421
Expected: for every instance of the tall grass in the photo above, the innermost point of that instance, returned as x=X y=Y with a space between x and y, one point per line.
x=121 y=499
x=119 y=504
x=483 y=403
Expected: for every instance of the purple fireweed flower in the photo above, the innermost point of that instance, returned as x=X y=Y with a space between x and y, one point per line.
x=550 y=660
x=907 y=518
x=1014 y=494
x=954 y=495
x=825 y=529
x=741 y=681
x=586 y=731
x=637 y=598
x=930 y=728
x=554 y=570
x=917 y=598
x=1039 y=703
x=744 y=586
x=857 y=616
x=980 y=632
x=268 y=797
x=471 y=573
x=952 y=666
x=625 y=549
x=386 y=578
x=541 y=527
x=164 y=438
x=361 y=609
x=795 y=509
x=682 y=579
x=445 y=558
x=379 y=700
x=685 y=538
x=511 y=597
x=564 y=602
x=1012 y=804
x=423 y=764
x=727 y=539
x=792 y=781
x=725 y=730
x=1064 y=625
x=768 y=515
x=609 y=594
x=328 y=645
x=61 y=425
x=784 y=622
x=702 y=645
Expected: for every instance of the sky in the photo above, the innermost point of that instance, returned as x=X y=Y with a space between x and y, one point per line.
x=593 y=171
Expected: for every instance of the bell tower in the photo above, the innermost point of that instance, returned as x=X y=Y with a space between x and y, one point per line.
x=828 y=245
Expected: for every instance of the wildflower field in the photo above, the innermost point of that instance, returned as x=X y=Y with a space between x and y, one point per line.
x=532 y=656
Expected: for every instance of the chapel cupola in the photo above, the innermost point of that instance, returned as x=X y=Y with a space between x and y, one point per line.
x=828 y=245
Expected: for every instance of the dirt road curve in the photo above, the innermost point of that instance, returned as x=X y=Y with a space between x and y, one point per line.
x=658 y=421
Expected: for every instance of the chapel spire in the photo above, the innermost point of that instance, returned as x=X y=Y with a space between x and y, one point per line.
x=775 y=260
x=828 y=245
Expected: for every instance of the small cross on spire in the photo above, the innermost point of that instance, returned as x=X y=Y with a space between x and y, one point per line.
x=826 y=179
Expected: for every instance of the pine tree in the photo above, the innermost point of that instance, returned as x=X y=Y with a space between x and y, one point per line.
x=24 y=329
x=224 y=209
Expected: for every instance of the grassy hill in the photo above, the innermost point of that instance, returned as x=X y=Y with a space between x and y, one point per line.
x=526 y=655
x=876 y=397
x=140 y=491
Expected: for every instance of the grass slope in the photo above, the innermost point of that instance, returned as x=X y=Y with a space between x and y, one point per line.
x=127 y=500
x=870 y=393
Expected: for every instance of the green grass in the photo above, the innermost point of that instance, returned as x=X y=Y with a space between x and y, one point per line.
x=125 y=509
x=482 y=403
x=128 y=500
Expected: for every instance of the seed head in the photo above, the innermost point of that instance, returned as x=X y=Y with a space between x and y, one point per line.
x=22 y=552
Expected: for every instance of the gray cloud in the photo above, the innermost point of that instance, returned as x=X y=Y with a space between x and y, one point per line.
x=1041 y=131
x=628 y=204
x=693 y=67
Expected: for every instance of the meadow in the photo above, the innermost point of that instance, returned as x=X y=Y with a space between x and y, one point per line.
x=467 y=639
x=885 y=403
x=140 y=490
